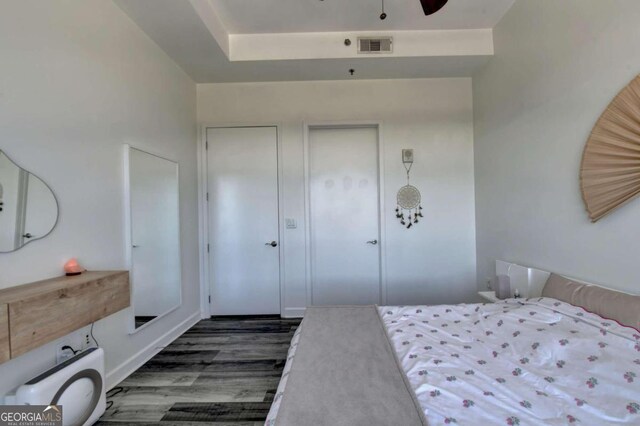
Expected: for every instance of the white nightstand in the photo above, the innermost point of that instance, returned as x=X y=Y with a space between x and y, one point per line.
x=489 y=296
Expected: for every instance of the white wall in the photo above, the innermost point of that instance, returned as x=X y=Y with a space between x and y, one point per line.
x=78 y=80
x=434 y=262
x=557 y=65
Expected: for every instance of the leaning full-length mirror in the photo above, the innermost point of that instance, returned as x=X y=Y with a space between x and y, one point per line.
x=28 y=208
x=154 y=235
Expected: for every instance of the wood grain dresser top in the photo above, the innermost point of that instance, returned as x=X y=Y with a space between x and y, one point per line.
x=26 y=291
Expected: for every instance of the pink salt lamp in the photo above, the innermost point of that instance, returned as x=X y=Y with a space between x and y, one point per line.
x=72 y=267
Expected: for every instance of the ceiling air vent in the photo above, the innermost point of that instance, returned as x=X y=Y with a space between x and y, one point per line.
x=375 y=44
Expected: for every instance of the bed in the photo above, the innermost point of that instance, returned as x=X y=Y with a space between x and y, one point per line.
x=540 y=360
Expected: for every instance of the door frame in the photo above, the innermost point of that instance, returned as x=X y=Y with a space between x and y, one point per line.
x=203 y=209
x=307 y=126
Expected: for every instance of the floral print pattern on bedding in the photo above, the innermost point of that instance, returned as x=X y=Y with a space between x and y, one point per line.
x=517 y=362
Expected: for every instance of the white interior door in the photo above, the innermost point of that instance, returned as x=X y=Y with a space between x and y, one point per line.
x=244 y=260
x=344 y=215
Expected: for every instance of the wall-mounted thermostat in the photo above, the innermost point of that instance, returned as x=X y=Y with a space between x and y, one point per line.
x=407 y=156
x=290 y=223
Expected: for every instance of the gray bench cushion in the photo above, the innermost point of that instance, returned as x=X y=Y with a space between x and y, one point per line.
x=345 y=373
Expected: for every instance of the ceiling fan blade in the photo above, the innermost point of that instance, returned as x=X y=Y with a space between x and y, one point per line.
x=432 y=6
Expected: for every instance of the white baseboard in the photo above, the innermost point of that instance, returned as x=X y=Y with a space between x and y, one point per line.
x=123 y=371
x=293 y=312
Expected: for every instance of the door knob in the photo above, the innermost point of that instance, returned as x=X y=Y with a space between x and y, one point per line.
x=272 y=244
x=374 y=242
x=27 y=235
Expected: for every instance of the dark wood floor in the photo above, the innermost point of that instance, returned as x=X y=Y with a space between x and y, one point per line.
x=223 y=371
x=140 y=321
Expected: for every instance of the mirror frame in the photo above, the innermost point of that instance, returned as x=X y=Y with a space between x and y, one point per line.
x=55 y=224
x=128 y=235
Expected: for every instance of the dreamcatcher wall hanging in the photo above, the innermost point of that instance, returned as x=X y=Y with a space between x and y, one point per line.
x=408 y=196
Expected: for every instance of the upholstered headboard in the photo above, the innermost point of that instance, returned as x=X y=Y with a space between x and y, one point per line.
x=621 y=307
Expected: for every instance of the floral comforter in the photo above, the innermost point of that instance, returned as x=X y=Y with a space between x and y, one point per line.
x=517 y=362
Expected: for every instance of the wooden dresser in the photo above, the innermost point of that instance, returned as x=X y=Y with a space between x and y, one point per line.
x=37 y=313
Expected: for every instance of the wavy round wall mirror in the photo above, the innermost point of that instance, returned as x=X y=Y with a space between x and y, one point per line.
x=28 y=207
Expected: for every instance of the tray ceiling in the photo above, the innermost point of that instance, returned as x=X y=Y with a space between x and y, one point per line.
x=287 y=40
x=296 y=16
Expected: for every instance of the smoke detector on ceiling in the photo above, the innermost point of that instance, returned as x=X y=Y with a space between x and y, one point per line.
x=375 y=44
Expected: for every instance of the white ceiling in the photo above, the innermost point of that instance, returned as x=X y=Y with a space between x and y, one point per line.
x=294 y=16
x=178 y=28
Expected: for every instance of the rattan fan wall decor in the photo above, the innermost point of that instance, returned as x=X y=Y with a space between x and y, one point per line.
x=610 y=170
